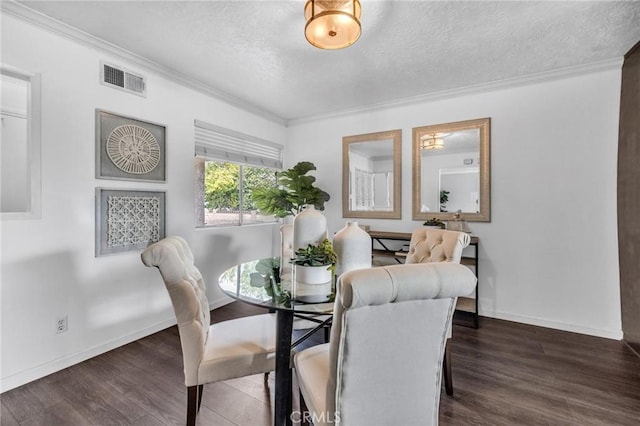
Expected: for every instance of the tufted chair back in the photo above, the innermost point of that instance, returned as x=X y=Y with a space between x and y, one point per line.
x=436 y=245
x=173 y=257
x=387 y=344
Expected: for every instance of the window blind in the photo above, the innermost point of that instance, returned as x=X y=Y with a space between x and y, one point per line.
x=215 y=142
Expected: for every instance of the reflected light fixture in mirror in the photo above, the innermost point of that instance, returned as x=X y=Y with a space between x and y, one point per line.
x=332 y=24
x=433 y=141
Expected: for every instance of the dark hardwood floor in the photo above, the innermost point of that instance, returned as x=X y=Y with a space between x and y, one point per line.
x=504 y=374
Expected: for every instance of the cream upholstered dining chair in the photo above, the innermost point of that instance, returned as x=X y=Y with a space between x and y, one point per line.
x=210 y=353
x=383 y=365
x=437 y=245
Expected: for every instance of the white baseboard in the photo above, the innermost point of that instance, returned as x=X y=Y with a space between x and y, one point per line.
x=574 y=328
x=31 y=374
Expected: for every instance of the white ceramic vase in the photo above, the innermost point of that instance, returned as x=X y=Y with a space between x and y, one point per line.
x=309 y=227
x=352 y=245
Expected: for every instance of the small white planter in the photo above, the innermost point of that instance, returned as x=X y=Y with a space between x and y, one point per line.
x=312 y=283
x=313 y=274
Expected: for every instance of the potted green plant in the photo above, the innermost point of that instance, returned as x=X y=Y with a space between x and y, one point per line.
x=267 y=276
x=314 y=268
x=444 y=199
x=317 y=255
x=434 y=223
x=295 y=190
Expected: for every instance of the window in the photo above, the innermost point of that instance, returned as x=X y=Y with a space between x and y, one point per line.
x=229 y=166
x=227 y=193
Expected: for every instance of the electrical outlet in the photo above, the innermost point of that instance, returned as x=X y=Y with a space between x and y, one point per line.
x=61 y=325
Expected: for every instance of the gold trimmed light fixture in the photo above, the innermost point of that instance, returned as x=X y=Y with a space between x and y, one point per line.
x=332 y=24
x=432 y=141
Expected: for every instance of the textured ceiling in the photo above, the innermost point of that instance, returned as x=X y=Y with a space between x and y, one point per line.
x=256 y=51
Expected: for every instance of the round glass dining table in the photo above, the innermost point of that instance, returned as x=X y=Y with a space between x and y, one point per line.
x=248 y=283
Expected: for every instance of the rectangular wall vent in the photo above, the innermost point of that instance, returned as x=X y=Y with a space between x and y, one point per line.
x=122 y=79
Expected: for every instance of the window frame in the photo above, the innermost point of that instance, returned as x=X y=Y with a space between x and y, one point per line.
x=215 y=143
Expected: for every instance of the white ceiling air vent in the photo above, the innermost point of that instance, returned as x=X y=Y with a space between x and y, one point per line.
x=122 y=79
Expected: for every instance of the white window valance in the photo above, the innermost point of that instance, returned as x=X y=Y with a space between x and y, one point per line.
x=218 y=143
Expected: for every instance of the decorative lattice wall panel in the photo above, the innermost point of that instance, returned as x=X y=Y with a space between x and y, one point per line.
x=128 y=219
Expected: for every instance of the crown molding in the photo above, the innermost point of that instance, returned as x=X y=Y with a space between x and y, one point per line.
x=48 y=23
x=508 y=83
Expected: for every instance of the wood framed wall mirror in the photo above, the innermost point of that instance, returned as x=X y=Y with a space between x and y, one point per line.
x=451 y=171
x=371 y=179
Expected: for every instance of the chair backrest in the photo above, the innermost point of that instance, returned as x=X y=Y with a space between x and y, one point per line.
x=173 y=257
x=436 y=245
x=387 y=343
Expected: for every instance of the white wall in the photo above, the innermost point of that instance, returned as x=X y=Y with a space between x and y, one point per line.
x=549 y=255
x=48 y=265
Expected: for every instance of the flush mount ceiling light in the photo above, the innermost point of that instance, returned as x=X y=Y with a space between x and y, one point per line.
x=432 y=141
x=332 y=24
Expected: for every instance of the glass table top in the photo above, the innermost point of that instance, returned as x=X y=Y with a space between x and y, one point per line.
x=252 y=282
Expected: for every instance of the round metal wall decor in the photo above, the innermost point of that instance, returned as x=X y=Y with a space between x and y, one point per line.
x=133 y=149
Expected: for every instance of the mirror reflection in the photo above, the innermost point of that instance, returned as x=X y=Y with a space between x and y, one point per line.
x=14 y=147
x=451 y=171
x=371 y=175
x=19 y=145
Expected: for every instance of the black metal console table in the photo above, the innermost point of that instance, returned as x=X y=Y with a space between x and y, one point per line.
x=467 y=307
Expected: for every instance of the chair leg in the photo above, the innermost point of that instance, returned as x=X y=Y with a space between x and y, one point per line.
x=192 y=405
x=446 y=367
x=200 y=392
